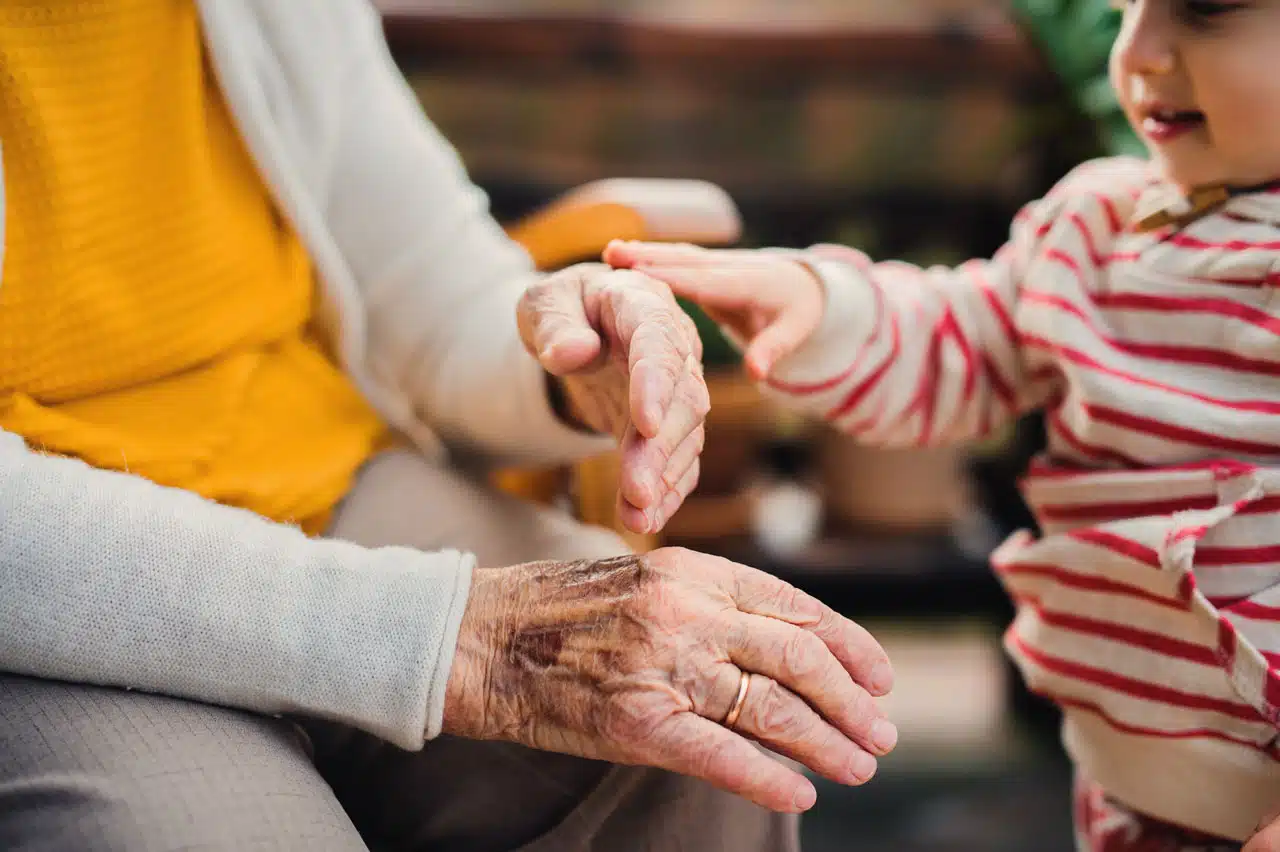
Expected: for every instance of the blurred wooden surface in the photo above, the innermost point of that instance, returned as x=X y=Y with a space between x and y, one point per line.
x=825 y=119
x=729 y=37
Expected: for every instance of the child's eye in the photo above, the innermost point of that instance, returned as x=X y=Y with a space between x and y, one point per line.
x=1191 y=10
x=1206 y=8
x=1202 y=14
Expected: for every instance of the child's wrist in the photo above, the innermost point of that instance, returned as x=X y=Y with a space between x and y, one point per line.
x=849 y=317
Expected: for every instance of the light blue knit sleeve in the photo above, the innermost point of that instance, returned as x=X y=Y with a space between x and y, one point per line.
x=107 y=578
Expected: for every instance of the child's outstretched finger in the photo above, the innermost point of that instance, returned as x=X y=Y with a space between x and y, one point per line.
x=631 y=254
x=720 y=288
x=626 y=254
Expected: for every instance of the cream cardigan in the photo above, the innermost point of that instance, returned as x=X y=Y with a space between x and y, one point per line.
x=106 y=578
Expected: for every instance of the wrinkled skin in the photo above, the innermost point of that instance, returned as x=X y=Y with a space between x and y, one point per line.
x=629 y=361
x=637 y=659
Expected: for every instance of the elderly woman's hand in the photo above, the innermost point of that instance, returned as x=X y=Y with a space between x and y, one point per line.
x=630 y=363
x=676 y=660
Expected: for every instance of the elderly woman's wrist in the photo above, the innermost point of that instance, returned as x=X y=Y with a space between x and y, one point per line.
x=564 y=408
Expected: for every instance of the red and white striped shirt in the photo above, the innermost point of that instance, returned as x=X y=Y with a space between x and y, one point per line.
x=1149 y=609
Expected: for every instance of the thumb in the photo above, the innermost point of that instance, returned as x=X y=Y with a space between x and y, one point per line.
x=619 y=255
x=787 y=333
x=571 y=348
x=555 y=329
x=628 y=254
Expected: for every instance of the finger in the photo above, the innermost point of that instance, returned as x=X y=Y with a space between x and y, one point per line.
x=628 y=254
x=554 y=326
x=652 y=521
x=646 y=460
x=777 y=718
x=675 y=498
x=726 y=288
x=861 y=655
x=635 y=520
x=639 y=484
x=801 y=662
x=691 y=745
x=690 y=330
x=844 y=254
x=643 y=316
x=784 y=335
x=683 y=461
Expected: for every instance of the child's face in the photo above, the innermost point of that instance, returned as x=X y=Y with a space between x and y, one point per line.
x=1200 y=81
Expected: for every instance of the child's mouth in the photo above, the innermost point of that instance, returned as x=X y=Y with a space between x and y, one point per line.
x=1162 y=124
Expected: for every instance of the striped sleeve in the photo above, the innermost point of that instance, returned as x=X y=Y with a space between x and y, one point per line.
x=909 y=356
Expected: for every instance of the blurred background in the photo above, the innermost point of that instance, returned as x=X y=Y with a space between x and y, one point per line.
x=911 y=129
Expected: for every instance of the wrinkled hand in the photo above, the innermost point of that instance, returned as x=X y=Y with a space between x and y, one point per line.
x=636 y=660
x=772 y=302
x=630 y=363
x=1267 y=838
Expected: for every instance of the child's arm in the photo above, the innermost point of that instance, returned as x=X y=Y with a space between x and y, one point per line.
x=891 y=353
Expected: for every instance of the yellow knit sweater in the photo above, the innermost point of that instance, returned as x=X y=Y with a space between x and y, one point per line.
x=154 y=307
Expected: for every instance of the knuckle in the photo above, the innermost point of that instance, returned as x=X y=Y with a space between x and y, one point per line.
x=863 y=710
x=791 y=599
x=778 y=715
x=670 y=478
x=630 y=283
x=801 y=656
x=826 y=621
x=701 y=399
x=670 y=368
x=540 y=290
x=805 y=606
x=626 y=721
x=717 y=758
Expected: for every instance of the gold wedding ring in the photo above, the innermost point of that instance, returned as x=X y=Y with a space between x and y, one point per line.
x=731 y=718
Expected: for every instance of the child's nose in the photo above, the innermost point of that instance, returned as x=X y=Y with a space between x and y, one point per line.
x=1146 y=43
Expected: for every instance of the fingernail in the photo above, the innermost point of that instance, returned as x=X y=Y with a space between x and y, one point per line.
x=884 y=736
x=805 y=798
x=882 y=678
x=656 y=524
x=862 y=767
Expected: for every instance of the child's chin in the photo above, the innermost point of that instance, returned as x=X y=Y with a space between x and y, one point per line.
x=1180 y=176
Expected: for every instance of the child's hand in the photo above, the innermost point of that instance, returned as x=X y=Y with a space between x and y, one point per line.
x=772 y=302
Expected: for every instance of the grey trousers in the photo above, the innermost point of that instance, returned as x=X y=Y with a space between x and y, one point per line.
x=87 y=768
